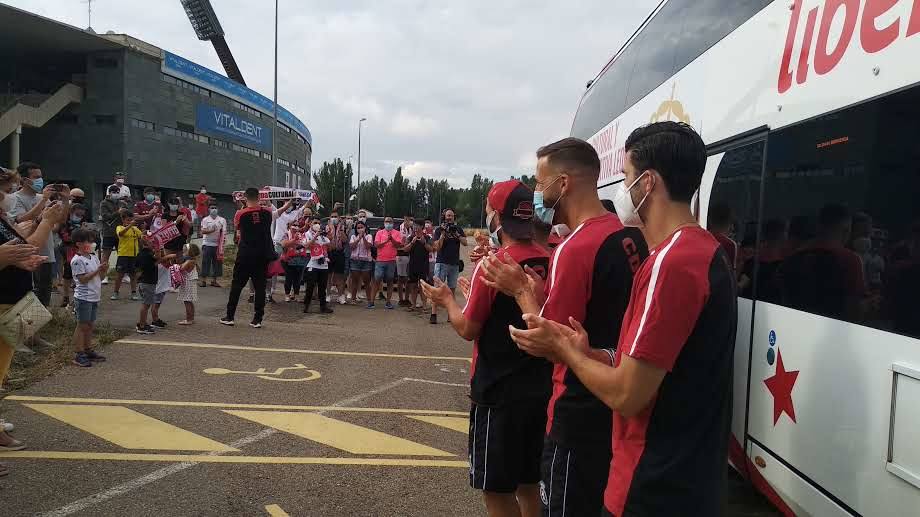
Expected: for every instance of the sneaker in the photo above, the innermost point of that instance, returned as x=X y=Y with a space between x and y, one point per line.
x=105 y=281
x=146 y=329
x=389 y=305
x=114 y=296
x=326 y=310
x=135 y=297
x=185 y=322
x=370 y=306
x=255 y=324
x=8 y=443
x=5 y=426
x=158 y=323
x=224 y=321
x=306 y=309
x=328 y=298
x=434 y=319
x=202 y=284
x=288 y=298
x=405 y=303
x=82 y=360
x=342 y=300
x=93 y=356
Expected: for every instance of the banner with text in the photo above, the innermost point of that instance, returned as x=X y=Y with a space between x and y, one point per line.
x=218 y=123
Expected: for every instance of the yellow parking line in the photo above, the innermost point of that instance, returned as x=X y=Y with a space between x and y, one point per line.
x=275 y=511
x=179 y=403
x=288 y=350
x=341 y=435
x=204 y=458
x=450 y=422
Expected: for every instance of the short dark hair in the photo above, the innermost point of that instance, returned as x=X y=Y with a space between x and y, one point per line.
x=252 y=194
x=334 y=211
x=212 y=204
x=83 y=235
x=675 y=150
x=24 y=168
x=572 y=154
x=127 y=214
x=114 y=189
x=149 y=190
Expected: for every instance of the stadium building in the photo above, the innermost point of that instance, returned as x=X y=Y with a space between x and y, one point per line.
x=85 y=105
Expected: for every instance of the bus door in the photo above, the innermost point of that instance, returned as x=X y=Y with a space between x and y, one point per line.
x=730 y=197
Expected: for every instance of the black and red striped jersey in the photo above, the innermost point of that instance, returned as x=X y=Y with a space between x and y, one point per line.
x=501 y=372
x=590 y=276
x=682 y=317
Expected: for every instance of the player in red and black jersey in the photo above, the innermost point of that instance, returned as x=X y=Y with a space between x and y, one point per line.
x=671 y=386
x=508 y=387
x=589 y=279
x=255 y=250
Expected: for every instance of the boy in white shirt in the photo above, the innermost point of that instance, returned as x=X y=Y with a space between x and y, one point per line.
x=87 y=274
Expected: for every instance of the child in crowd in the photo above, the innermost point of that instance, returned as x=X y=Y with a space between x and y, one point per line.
x=164 y=285
x=68 y=249
x=294 y=259
x=129 y=236
x=147 y=266
x=317 y=241
x=88 y=273
x=188 y=292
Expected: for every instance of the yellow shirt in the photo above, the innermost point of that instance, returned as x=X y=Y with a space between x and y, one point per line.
x=128 y=244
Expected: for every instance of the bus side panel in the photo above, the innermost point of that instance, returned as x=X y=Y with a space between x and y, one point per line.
x=795 y=496
x=739 y=386
x=829 y=409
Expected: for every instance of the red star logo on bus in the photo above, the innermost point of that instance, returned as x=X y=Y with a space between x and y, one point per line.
x=780 y=386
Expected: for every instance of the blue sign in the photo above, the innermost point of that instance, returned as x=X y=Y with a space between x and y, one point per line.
x=206 y=78
x=221 y=124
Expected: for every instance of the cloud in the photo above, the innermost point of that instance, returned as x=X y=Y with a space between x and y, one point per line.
x=472 y=86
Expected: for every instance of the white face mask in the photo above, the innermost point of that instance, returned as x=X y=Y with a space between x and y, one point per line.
x=626 y=211
x=561 y=230
x=315 y=227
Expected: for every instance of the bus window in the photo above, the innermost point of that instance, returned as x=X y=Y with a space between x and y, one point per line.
x=706 y=22
x=842 y=231
x=734 y=206
x=656 y=45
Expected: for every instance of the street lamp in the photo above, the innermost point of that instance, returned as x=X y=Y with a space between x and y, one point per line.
x=275 y=107
x=359 y=161
x=345 y=185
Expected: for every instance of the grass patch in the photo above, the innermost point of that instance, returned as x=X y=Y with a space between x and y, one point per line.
x=229 y=261
x=27 y=369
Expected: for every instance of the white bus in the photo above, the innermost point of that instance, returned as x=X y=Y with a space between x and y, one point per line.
x=811 y=113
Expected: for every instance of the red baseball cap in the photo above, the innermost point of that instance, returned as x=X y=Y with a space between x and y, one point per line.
x=514 y=203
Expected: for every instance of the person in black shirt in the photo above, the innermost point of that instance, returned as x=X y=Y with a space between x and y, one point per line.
x=417 y=248
x=447 y=240
x=509 y=389
x=253 y=226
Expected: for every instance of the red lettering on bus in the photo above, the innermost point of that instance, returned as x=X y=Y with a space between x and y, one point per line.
x=826 y=61
x=826 y=54
x=872 y=38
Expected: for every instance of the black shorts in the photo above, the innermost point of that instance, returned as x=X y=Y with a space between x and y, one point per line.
x=125 y=265
x=68 y=273
x=505 y=444
x=109 y=243
x=337 y=262
x=573 y=480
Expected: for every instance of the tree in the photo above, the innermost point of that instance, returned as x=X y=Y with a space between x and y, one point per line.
x=330 y=183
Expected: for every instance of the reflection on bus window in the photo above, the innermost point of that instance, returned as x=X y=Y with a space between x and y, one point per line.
x=842 y=231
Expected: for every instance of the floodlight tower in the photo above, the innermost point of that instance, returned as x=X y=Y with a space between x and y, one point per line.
x=207 y=27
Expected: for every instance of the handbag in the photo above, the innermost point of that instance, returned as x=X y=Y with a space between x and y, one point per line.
x=23 y=320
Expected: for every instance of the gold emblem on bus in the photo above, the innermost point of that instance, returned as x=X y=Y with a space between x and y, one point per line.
x=671 y=108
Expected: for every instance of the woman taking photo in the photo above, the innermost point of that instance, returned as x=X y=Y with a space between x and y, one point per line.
x=362 y=262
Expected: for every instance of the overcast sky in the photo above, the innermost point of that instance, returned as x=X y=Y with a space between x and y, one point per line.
x=449 y=88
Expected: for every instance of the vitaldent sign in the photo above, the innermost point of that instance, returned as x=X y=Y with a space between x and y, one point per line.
x=222 y=124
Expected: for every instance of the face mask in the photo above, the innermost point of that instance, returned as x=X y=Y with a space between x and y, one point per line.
x=542 y=212
x=92 y=248
x=626 y=210
x=493 y=236
x=427 y=226
x=561 y=230
x=149 y=198
x=334 y=221
x=38 y=184
x=120 y=181
x=7 y=203
x=315 y=227
x=213 y=212
x=203 y=191
x=363 y=219
x=75 y=218
x=388 y=226
x=173 y=208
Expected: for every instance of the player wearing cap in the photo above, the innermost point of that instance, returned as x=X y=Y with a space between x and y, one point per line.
x=590 y=275
x=671 y=388
x=509 y=388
